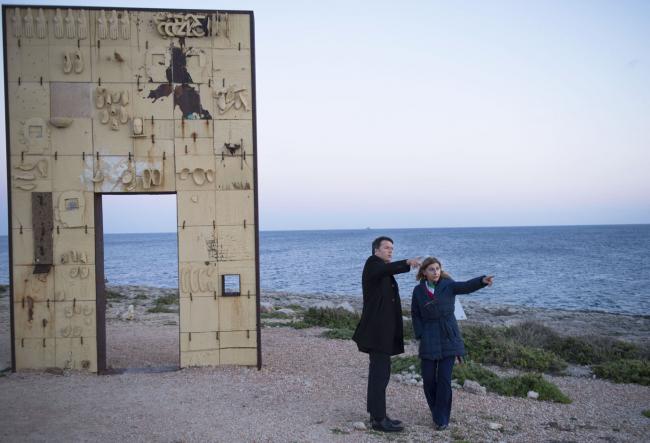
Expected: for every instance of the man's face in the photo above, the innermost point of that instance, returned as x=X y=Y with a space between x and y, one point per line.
x=385 y=251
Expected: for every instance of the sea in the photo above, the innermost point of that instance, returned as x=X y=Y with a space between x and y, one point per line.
x=594 y=268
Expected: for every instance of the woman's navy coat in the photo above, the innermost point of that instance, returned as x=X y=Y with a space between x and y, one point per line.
x=434 y=322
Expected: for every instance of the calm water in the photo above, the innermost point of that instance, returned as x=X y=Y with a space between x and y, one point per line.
x=605 y=268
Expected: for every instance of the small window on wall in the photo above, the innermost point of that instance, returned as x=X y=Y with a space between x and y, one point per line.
x=230 y=285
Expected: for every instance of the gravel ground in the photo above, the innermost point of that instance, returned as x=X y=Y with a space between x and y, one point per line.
x=309 y=389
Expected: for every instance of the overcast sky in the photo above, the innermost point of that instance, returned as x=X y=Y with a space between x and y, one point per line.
x=438 y=114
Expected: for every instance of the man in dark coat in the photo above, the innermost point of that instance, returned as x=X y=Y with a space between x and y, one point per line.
x=380 y=331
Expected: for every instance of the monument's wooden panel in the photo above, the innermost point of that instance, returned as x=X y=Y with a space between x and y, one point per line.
x=127 y=101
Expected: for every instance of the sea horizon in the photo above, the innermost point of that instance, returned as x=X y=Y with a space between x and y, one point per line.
x=409 y=228
x=576 y=267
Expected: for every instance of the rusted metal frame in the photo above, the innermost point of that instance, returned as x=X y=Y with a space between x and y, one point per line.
x=99 y=8
x=100 y=285
x=10 y=227
x=255 y=192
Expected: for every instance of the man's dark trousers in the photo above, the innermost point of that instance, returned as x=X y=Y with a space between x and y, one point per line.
x=378 y=376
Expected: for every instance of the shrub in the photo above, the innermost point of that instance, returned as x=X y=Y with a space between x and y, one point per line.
x=625 y=371
x=339 y=334
x=517 y=386
x=298 y=325
x=399 y=364
x=585 y=350
x=494 y=346
x=331 y=318
x=114 y=295
x=646 y=413
x=274 y=314
x=162 y=304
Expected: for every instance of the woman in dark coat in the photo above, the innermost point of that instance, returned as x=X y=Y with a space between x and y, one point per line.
x=435 y=326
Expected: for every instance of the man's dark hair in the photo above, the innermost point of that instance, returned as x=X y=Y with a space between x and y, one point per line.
x=376 y=243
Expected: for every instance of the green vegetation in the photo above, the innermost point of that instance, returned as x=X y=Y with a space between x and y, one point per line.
x=341 y=323
x=274 y=314
x=517 y=386
x=333 y=318
x=532 y=346
x=528 y=346
x=579 y=350
x=625 y=371
x=114 y=295
x=646 y=413
x=339 y=334
x=141 y=297
x=339 y=431
x=163 y=304
x=400 y=364
x=4 y=290
x=493 y=346
x=299 y=325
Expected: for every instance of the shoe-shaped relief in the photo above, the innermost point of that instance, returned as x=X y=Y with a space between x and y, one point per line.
x=67 y=63
x=102 y=26
x=125 y=26
x=41 y=25
x=78 y=61
x=58 y=24
x=17 y=23
x=28 y=21
x=70 y=28
x=82 y=26
x=113 y=26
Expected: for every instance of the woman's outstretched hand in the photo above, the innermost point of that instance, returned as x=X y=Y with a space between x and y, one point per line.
x=488 y=280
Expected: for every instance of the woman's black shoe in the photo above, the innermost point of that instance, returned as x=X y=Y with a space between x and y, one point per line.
x=386 y=425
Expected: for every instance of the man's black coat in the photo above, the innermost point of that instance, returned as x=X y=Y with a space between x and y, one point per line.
x=380 y=328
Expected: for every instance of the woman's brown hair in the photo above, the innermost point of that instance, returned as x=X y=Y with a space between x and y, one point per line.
x=425 y=264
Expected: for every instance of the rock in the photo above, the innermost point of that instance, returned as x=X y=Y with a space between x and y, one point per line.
x=287 y=311
x=495 y=426
x=455 y=385
x=413 y=381
x=359 y=426
x=324 y=305
x=347 y=307
x=474 y=387
x=266 y=307
x=420 y=383
x=532 y=394
x=412 y=368
x=129 y=314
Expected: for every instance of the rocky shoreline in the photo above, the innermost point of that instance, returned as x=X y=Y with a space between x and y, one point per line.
x=633 y=328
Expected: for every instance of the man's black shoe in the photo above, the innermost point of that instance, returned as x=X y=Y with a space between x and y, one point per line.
x=442 y=427
x=385 y=425
x=395 y=422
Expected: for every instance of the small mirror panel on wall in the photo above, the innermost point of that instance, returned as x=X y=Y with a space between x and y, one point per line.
x=230 y=285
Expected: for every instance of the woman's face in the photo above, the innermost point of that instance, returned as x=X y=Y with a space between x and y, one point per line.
x=432 y=272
